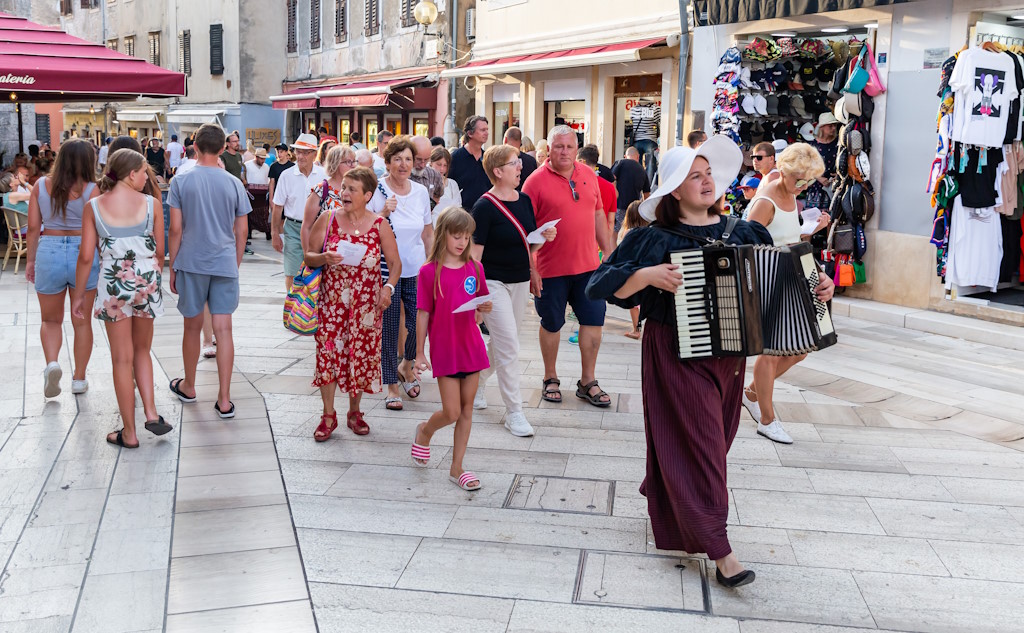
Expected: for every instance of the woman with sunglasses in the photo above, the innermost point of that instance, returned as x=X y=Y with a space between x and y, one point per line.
x=775 y=208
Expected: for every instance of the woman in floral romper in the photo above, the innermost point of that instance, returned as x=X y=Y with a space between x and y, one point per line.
x=352 y=299
x=130 y=238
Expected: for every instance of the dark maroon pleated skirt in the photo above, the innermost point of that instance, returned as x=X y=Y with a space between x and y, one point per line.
x=691 y=413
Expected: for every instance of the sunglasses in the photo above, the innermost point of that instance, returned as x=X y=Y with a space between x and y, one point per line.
x=575 y=194
x=800 y=184
x=758 y=157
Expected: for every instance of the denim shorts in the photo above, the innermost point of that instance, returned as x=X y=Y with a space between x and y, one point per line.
x=568 y=290
x=56 y=261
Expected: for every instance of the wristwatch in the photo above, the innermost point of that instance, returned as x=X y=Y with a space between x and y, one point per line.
x=392 y=286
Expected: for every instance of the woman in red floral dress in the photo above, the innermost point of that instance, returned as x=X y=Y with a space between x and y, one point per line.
x=352 y=299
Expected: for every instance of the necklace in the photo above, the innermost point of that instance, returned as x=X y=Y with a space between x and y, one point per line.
x=355 y=227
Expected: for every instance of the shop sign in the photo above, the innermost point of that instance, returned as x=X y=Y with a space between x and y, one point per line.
x=261 y=135
x=28 y=80
x=630 y=103
x=934 y=57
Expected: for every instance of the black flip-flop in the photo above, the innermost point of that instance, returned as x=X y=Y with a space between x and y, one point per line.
x=120 y=440
x=546 y=395
x=159 y=426
x=176 y=389
x=230 y=413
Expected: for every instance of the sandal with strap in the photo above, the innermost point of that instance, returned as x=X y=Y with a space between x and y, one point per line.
x=420 y=454
x=409 y=386
x=547 y=394
x=391 y=401
x=357 y=423
x=119 y=440
x=466 y=481
x=583 y=392
x=323 y=431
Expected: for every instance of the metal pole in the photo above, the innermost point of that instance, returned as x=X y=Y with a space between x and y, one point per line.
x=451 y=133
x=684 y=60
x=21 y=131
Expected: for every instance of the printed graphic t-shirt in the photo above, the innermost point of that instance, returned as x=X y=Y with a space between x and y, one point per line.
x=985 y=84
x=456 y=344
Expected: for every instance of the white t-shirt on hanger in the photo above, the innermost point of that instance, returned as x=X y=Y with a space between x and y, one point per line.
x=975 y=247
x=984 y=84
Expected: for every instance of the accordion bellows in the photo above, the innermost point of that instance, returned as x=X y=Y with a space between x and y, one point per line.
x=749 y=300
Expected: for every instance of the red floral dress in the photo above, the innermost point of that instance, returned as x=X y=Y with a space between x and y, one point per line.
x=349 y=329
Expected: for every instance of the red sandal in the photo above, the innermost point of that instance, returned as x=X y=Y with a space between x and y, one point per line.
x=323 y=432
x=357 y=423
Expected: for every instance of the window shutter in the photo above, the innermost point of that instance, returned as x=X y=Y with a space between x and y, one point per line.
x=372 y=22
x=408 y=13
x=129 y=46
x=112 y=44
x=314 y=23
x=185 y=52
x=65 y=7
x=86 y=4
x=216 y=49
x=340 y=20
x=293 y=44
x=154 y=49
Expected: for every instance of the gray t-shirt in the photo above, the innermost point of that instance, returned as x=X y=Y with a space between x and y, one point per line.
x=210 y=199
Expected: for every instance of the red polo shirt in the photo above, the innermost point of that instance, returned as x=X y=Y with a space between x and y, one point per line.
x=574 y=249
x=609 y=196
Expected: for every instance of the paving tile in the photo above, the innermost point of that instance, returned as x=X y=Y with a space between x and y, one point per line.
x=236 y=490
x=828 y=513
x=767 y=626
x=759 y=451
x=355 y=558
x=281 y=617
x=641 y=580
x=217 y=531
x=549 y=528
x=411 y=483
x=845 y=457
x=144 y=477
x=872 y=436
x=140 y=510
x=561 y=494
x=219 y=460
x=81 y=475
x=311 y=477
x=143 y=590
x=55 y=624
x=22 y=485
x=545 y=617
x=535 y=463
x=862 y=552
x=980 y=561
x=956 y=522
x=826 y=596
x=220 y=433
x=346 y=609
x=871 y=484
x=628 y=501
x=220 y=581
x=361 y=515
x=602 y=467
x=136 y=549
x=67 y=507
x=984 y=491
x=500 y=570
x=28 y=581
x=47 y=605
x=364 y=452
x=754 y=477
x=941 y=605
x=761 y=545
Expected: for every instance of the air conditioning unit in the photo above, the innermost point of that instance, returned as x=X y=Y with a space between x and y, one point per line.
x=470 y=24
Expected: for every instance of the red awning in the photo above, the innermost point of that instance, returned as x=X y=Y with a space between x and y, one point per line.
x=40 y=63
x=564 y=58
x=348 y=94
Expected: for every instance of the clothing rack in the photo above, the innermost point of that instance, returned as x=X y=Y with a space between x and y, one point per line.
x=1002 y=39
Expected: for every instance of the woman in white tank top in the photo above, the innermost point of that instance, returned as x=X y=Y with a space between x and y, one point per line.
x=775 y=208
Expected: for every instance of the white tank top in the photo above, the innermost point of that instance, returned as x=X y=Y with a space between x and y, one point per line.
x=784 y=227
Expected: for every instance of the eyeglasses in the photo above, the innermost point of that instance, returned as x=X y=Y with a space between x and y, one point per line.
x=348 y=162
x=758 y=157
x=575 y=194
x=517 y=162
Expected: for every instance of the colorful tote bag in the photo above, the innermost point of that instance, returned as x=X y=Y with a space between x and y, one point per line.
x=300 y=311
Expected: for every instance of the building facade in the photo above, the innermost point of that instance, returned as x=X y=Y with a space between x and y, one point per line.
x=583 y=63
x=367 y=66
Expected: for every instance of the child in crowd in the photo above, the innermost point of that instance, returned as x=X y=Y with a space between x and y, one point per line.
x=633 y=220
x=130 y=237
x=450 y=279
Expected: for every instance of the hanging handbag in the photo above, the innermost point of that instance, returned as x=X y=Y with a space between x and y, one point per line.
x=874 y=87
x=847 y=277
x=300 y=308
x=859 y=75
x=842 y=239
x=860 y=274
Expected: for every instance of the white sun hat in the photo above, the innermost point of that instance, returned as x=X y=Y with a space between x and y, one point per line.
x=724 y=156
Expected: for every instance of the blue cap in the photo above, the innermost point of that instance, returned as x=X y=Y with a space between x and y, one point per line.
x=110 y=139
x=751 y=181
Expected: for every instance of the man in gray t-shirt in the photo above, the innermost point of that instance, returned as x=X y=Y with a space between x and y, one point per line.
x=207 y=238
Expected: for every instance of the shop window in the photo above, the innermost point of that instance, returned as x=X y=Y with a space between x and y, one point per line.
x=216 y=49
x=571 y=113
x=630 y=92
x=66 y=7
x=344 y=130
x=340 y=20
x=505 y=115
x=90 y=4
x=293 y=44
x=371 y=131
x=421 y=126
x=154 y=49
x=185 y=52
x=314 y=23
x=371 y=23
x=129 y=46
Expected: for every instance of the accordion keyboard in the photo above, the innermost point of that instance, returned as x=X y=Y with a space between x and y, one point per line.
x=692 y=322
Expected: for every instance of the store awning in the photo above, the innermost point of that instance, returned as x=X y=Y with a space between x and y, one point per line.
x=349 y=94
x=137 y=115
x=565 y=58
x=44 y=64
x=194 y=116
x=733 y=11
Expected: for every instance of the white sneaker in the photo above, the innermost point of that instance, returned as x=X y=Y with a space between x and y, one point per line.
x=480 y=400
x=79 y=386
x=51 y=380
x=517 y=425
x=775 y=432
x=752 y=407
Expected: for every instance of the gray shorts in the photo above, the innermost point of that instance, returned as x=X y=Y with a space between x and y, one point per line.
x=196 y=290
x=292 y=236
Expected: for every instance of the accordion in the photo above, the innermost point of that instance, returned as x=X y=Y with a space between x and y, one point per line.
x=749 y=300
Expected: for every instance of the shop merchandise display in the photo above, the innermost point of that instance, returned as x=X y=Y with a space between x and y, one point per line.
x=978 y=171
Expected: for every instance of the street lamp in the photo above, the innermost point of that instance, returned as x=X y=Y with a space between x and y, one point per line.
x=425 y=12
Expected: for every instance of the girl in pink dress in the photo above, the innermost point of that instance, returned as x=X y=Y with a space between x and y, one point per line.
x=450 y=279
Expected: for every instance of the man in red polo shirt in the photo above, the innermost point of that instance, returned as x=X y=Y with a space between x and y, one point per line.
x=567 y=190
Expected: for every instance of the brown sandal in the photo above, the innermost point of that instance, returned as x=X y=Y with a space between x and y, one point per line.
x=547 y=394
x=583 y=392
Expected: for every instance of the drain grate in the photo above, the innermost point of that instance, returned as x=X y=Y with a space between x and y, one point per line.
x=561 y=494
x=645 y=581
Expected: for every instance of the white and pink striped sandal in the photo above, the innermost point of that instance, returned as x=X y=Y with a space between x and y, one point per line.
x=420 y=454
x=466 y=480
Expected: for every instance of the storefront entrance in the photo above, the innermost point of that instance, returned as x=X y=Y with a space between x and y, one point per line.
x=629 y=93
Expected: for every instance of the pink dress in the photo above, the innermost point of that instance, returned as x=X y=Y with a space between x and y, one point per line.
x=456 y=345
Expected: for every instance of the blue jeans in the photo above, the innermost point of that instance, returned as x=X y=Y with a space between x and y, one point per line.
x=56 y=261
x=647 y=147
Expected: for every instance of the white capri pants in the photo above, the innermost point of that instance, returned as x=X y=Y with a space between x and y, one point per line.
x=509 y=303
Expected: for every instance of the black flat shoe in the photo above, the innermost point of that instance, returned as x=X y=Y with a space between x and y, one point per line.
x=745 y=577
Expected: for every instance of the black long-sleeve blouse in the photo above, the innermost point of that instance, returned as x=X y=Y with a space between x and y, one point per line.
x=650 y=246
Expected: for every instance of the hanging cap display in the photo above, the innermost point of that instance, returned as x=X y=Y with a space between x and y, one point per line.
x=807 y=131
